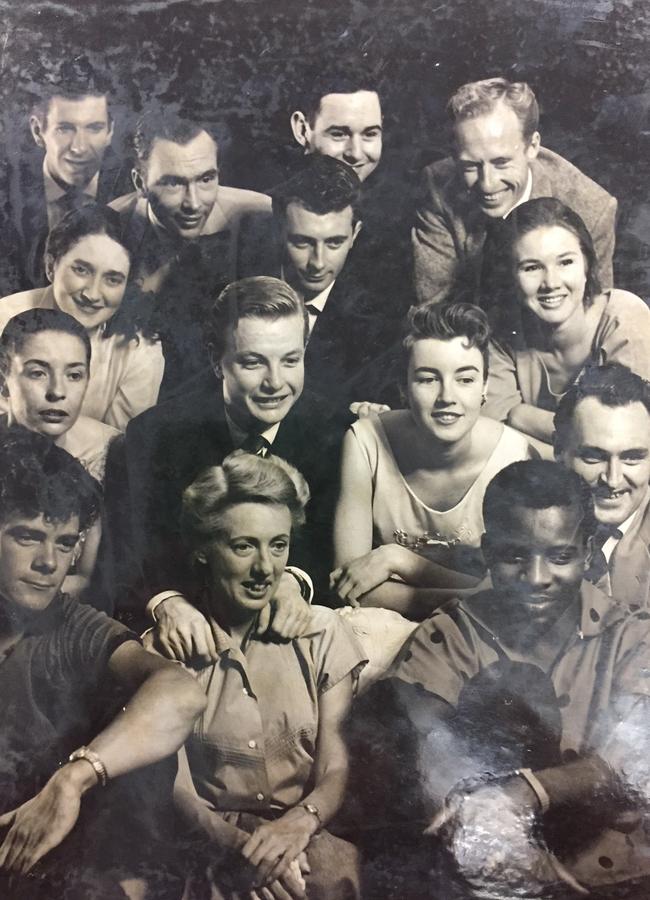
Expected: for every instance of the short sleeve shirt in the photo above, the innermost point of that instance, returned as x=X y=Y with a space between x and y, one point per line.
x=48 y=681
x=254 y=747
x=605 y=657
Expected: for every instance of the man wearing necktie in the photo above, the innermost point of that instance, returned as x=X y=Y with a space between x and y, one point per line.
x=72 y=127
x=498 y=162
x=602 y=432
x=311 y=243
x=182 y=228
x=256 y=336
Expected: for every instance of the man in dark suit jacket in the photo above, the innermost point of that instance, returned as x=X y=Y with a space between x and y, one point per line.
x=71 y=122
x=256 y=336
x=498 y=164
x=182 y=228
x=311 y=242
x=602 y=432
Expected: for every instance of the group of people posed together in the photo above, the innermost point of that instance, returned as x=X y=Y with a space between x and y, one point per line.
x=324 y=532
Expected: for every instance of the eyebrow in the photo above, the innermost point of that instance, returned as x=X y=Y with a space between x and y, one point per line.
x=179 y=179
x=45 y=364
x=298 y=235
x=347 y=128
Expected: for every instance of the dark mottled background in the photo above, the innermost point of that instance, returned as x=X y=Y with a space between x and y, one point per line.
x=236 y=63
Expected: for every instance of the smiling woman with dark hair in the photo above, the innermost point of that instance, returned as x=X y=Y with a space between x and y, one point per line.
x=412 y=480
x=557 y=320
x=88 y=266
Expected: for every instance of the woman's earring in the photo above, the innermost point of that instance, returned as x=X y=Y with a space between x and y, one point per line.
x=200 y=557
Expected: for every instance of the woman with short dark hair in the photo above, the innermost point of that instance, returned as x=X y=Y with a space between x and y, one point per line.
x=88 y=266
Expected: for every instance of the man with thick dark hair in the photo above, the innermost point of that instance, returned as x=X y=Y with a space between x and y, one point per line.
x=57 y=656
x=182 y=228
x=316 y=223
x=540 y=681
x=71 y=123
x=602 y=432
x=498 y=163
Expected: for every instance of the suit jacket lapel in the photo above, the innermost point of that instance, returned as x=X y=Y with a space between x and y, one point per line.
x=630 y=569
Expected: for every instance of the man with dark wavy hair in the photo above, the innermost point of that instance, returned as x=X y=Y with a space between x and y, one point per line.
x=498 y=162
x=72 y=125
x=58 y=657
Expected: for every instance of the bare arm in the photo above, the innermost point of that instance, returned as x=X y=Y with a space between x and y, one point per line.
x=534 y=423
x=274 y=845
x=153 y=725
x=353 y=514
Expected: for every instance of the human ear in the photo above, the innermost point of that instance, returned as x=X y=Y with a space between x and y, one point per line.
x=357 y=229
x=300 y=129
x=37 y=130
x=49 y=267
x=533 y=146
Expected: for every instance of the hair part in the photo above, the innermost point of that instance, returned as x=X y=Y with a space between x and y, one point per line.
x=37 y=478
x=35 y=321
x=241 y=478
x=536 y=484
x=480 y=98
x=613 y=385
x=259 y=296
x=323 y=185
x=444 y=322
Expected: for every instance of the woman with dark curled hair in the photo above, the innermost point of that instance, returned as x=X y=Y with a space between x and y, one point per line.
x=408 y=522
x=267 y=762
x=88 y=266
x=553 y=318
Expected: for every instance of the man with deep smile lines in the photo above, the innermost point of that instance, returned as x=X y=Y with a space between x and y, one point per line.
x=346 y=125
x=72 y=127
x=179 y=200
x=498 y=163
x=256 y=337
x=182 y=228
x=602 y=432
x=538 y=680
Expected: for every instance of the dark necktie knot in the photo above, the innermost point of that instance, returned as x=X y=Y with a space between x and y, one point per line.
x=598 y=565
x=312 y=310
x=257 y=445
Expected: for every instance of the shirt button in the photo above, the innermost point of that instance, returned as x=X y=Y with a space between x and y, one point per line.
x=260 y=796
x=252 y=745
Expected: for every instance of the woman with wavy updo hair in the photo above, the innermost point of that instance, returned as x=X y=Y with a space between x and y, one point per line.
x=266 y=767
x=553 y=318
x=88 y=266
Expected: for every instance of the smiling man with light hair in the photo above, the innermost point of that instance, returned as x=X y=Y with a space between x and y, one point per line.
x=498 y=162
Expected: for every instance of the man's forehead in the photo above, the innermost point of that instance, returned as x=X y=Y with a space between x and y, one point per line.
x=40 y=523
x=253 y=334
x=610 y=428
x=320 y=225
x=360 y=107
x=85 y=106
x=194 y=157
x=497 y=124
x=552 y=525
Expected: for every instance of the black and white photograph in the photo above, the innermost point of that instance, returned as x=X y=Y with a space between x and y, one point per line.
x=324 y=449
